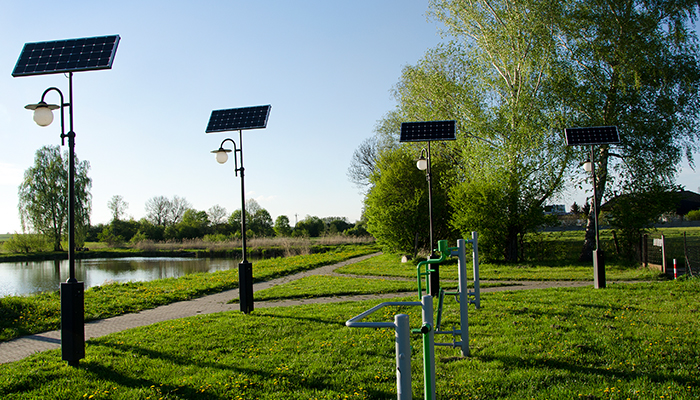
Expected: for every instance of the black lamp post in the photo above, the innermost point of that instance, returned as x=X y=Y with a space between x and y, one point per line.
x=423 y=164
x=72 y=291
x=427 y=131
x=590 y=136
x=245 y=268
x=239 y=119
x=598 y=255
x=65 y=57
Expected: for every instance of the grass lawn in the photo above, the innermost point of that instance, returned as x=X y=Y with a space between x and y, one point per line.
x=390 y=265
x=629 y=341
x=23 y=315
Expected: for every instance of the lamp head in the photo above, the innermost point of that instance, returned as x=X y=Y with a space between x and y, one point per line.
x=43 y=112
x=221 y=155
x=422 y=163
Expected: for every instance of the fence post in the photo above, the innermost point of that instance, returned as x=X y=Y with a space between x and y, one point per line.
x=663 y=252
x=645 y=250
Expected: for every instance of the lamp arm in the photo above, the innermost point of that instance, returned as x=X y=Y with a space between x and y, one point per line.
x=235 y=150
x=63 y=104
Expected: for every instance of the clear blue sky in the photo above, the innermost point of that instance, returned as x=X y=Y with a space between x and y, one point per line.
x=326 y=67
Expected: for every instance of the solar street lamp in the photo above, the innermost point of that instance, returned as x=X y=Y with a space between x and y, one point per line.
x=589 y=137
x=239 y=119
x=67 y=56
x=428 y=131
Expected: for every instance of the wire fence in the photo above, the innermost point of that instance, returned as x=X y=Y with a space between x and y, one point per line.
x=660 y=252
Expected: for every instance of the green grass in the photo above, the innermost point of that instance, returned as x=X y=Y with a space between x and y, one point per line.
x=20 y=315
x=327 y=285
x=629 y=341
x=391 y=265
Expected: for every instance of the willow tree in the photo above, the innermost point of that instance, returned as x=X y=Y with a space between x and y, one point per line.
x=43 y=196
x=633 y=64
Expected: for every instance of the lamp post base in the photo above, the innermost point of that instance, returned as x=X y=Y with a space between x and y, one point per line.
x=72 y=322
x=245 y=286
x=598 y=269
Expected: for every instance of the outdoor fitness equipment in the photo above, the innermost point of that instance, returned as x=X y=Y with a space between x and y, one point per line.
x=427 y=329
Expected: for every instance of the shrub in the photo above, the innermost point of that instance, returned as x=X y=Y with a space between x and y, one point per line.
x=27 y=243
x=693 y=215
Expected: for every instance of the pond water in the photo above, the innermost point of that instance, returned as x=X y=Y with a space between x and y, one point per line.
x=23 y=278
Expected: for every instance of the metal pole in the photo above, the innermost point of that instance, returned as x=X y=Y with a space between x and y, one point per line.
x=72 y=291
x=463 y=297
x=245 y=268
x=403 y=357
x=428 y=348
x=242 y=170
x=598 y=257
x=71 y=184
x=475 y=263
x=434 y=287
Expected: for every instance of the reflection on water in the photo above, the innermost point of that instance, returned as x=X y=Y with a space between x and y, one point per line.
x=30 y=277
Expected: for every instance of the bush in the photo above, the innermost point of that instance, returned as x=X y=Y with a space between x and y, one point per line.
x=27 y=243
x=693 y=215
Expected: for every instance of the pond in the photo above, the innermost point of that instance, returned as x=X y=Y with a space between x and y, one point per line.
x=30 y=277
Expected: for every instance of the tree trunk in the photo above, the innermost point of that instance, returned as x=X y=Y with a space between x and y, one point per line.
x=511 y=253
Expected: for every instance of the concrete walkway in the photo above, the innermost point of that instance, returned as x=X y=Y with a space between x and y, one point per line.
x=20 y=348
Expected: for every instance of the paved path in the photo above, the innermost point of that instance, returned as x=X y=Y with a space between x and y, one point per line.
x=20 y=348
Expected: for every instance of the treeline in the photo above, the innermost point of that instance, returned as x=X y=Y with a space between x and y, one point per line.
x=175 y=219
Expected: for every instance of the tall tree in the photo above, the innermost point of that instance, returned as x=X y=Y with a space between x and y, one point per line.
x=118 y=207
x=282 y=227
x=492 y=77
x=43 y=195
x=217 y=214
x=162 y=211
x=633 y=64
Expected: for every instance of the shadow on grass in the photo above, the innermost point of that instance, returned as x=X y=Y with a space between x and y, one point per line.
x=101 y=372
x=574 y=369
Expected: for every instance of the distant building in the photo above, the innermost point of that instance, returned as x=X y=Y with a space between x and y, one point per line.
x=555 y=209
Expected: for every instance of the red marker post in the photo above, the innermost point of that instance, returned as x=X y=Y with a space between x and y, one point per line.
x=675 y=269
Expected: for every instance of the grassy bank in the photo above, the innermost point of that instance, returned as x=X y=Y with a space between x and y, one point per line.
x=629 y=341
x=391 y=265
x=23 y=315
x=256 y=248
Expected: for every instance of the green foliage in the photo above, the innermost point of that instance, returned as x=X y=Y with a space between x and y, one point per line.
x=108 y=236
x=510 y=156
x=635 y=65
x=27 y=243
x=693 y=215
x=258 y=220
x=282 y=227
x=396 y=207
x=311 y=226
x=43 y=196
x=633 y=214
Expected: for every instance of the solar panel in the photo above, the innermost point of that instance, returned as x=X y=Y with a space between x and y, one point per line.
x=594 y=135
x=236 y=119
x=429 y=130
x=71 y=55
